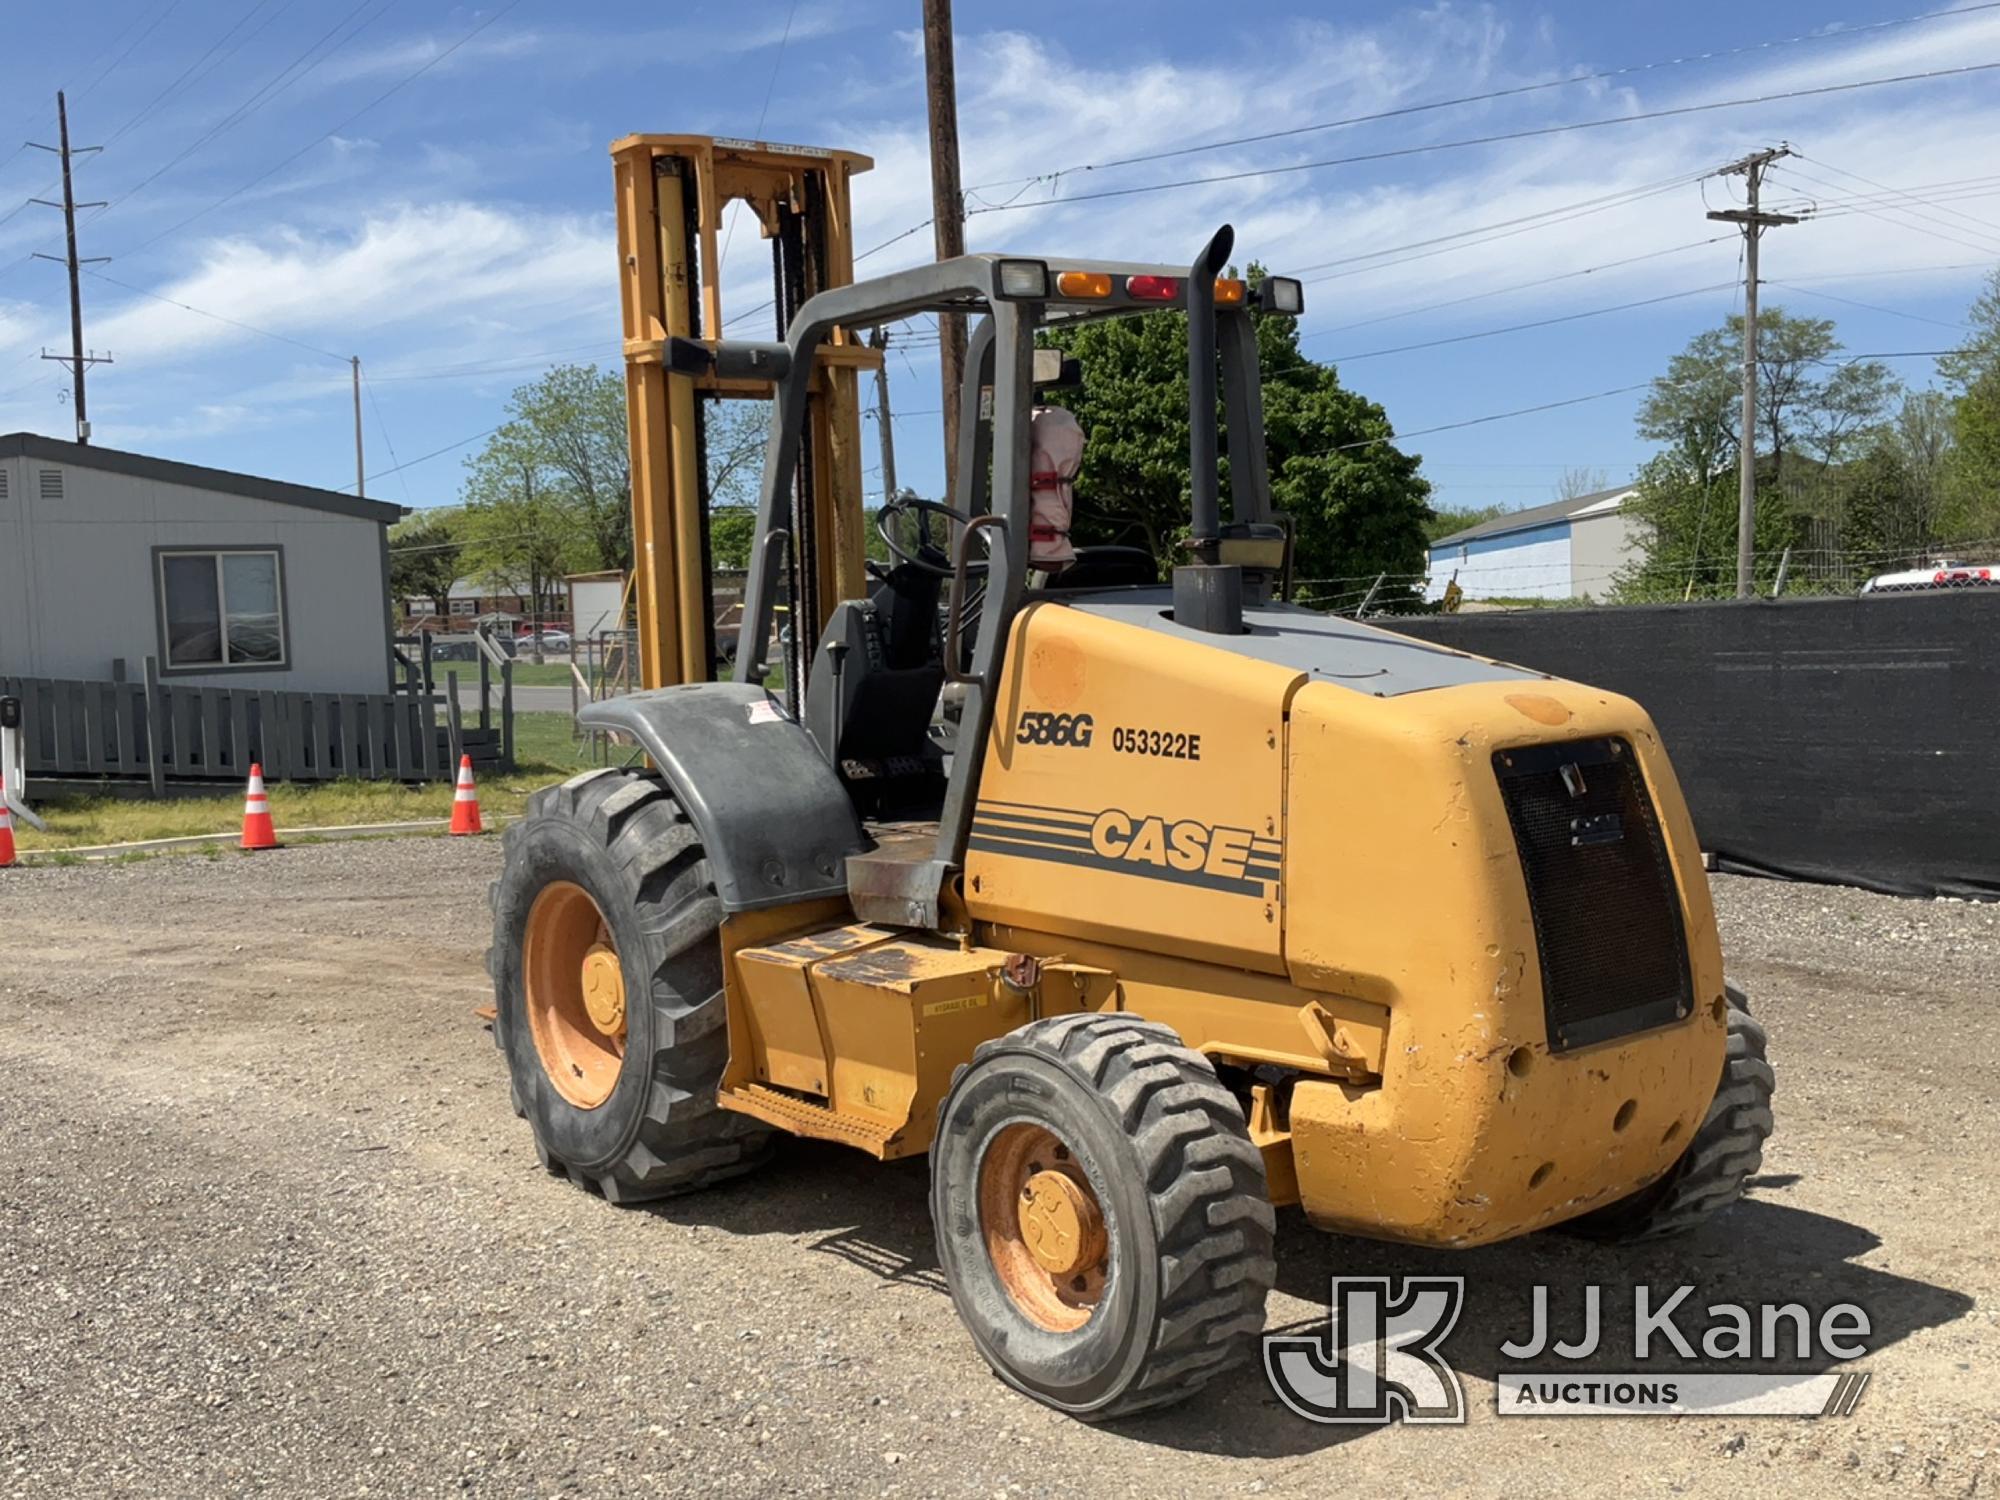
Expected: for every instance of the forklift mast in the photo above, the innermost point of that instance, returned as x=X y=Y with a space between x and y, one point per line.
x=673 y=191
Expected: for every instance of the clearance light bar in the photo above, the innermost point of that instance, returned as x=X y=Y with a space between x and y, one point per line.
x=1092 y=284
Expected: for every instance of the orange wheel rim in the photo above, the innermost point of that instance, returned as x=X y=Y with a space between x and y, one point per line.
x=575 y=990
x=1043 y=1226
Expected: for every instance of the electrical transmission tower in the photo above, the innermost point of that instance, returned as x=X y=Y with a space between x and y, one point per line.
x=1754 y=222
x=77 y=359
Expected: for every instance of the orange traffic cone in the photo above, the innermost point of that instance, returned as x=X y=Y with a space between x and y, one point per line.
x=465 y=802
x=257 y=830
x=6 y=829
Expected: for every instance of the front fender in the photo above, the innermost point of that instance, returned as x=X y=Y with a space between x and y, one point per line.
x=774 y=819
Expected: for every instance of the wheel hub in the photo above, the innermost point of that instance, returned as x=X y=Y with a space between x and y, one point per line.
x=1060 y=1223
x=604 y=990
x=574 y=992
x=1044 y=1229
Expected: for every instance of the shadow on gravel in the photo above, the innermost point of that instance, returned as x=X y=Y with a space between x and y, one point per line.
x=1760 y=1251
x=877 y=1217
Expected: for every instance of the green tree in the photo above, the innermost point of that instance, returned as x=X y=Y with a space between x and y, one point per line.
x=564 y=440
x=1447 y=520
x=1688 y=531
x=1969 y=502
x=1357 y=501
x=518 y=536
x=1806 y=397
x=424 y=554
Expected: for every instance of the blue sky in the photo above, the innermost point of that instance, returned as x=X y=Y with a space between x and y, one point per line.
x=456 y=234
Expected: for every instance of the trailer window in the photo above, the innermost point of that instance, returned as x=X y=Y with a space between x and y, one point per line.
x=222 y=609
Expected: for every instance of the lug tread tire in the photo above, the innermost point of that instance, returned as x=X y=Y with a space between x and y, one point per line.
x=1727 y=1151
x=681 y=1139
x=1204 y=1183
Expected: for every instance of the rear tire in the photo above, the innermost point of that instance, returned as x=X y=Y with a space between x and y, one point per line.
x=1725 y=1153
x=1179 y=1228
x=654 y=1128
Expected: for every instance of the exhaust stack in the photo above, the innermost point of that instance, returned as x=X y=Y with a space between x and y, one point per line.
x=1208 y=596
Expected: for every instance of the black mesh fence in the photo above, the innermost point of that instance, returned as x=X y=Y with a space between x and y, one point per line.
x=1855 y=741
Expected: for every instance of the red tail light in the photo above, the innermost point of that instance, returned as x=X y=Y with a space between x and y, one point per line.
x=1153 y=288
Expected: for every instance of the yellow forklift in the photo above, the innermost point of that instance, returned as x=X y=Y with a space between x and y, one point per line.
x=1141 y=907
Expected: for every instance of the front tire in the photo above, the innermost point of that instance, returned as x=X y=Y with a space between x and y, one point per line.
x=607 y=982
x=1102 y=1217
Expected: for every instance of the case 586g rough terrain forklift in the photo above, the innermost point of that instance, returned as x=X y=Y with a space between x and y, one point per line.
x=1197 y=904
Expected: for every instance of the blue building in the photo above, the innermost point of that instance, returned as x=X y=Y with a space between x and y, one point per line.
x=1570 y=549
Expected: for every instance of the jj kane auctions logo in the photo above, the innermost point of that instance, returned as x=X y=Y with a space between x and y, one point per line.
x=1381 y=1358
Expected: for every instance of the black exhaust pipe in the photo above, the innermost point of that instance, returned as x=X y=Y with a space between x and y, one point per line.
x=1207 y=595
x=1204 y=446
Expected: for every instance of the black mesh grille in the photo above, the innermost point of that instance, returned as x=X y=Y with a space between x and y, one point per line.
x=1607 y=914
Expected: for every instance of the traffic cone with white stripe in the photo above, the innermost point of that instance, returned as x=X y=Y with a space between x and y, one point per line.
x=465 y=802
x=6 y=828
x=257 y=830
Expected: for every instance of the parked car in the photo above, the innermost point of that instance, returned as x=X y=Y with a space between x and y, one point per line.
x=551 y=640
x=1945 y=573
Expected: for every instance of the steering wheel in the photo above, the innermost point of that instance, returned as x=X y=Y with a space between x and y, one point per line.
x=924 y=510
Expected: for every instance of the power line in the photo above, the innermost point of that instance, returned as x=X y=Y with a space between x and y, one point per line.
x=1936 y=231
x=160 y=15
x=427 y=457
x=507 y=7
x=770 y=89
x=1481 y=234
x=1519 y=286
x=1537 y=132
x=1901 y=193
x=1868 y=306
x=219 y=318
x=276 y=84
x=1498 y=416
x=387 y=441
x=1403 y=111
x=1487 y=333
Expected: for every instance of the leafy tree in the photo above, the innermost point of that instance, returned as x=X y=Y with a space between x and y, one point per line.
x=1446 y=520
x=1357 y=501
x=1688 y=522
x=424 y=554
x=518 y=536
x=1806 y=398
x=1979 y=355
x=734 y=434
x=730 y=532
x=564 y=441
x=1969 y=506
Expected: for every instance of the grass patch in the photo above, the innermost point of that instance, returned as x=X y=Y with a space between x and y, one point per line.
x=542 y=746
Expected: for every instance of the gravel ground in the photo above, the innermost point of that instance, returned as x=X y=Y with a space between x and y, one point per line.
x=268 y=1226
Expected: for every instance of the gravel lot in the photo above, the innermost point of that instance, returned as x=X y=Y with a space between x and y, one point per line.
x=268 y=1226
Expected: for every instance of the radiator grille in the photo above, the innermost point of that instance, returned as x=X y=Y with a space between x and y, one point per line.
x=1607 y=915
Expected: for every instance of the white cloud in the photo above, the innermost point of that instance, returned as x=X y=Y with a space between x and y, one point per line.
x=429 y=271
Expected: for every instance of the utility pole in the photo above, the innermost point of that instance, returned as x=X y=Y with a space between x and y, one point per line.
x=947 y=215
x=880 y=340
x=1754 y=222
x=76 y=359
x=360 y=484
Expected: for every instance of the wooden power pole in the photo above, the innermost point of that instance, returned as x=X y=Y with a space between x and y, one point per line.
x=883 y=418
x=1754 y=222
x=76 y=359
x=947 y=215
x=360 y=484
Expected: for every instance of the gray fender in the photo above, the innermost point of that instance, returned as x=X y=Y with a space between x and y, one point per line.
x=774 y=819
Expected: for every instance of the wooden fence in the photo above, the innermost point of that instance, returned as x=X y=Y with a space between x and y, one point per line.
x=165 y=732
